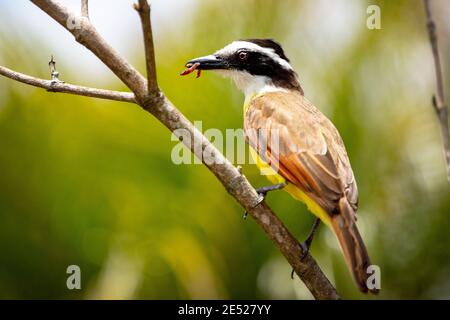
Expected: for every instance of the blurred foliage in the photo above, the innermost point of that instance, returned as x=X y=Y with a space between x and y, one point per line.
x=91 y=182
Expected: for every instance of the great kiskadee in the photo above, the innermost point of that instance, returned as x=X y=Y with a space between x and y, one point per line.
x=310 y=162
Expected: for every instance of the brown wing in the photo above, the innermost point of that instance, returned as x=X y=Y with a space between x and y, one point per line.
x=309 y=153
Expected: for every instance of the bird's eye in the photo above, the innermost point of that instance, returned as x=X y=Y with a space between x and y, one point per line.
x=243 y=55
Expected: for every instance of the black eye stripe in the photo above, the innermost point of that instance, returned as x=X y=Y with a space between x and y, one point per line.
x=261 y=64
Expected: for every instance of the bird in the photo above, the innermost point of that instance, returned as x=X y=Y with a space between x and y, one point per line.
x=308 y=158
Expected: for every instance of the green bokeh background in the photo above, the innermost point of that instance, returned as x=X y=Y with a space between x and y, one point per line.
x=91 y=182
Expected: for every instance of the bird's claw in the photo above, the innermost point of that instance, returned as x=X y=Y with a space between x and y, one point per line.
x=262 y=196
x=260 y=199
x=305 y=251
x=305 y=245
x=262 y=192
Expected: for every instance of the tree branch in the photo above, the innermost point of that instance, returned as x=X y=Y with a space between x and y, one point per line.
x=86 y=34
x=143 y=8
x=85 y=8
x=438 y=99
x=231 y=178
x=54 y=86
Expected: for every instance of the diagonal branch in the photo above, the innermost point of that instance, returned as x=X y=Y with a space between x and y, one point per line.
x=230 y=177
x=143 y=8
x=59 y=86
x=438 y=99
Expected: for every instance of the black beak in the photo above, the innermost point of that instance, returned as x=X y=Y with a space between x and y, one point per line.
x=208 y=63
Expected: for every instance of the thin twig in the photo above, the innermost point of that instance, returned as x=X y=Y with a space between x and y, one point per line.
x=438 y=99
x=54 y=74
x=86 y=34
x=143 y=8
x=231 y=178
x=51 y=85
x=85 y=8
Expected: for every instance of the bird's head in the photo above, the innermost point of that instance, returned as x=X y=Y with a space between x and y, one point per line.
x=255 y=65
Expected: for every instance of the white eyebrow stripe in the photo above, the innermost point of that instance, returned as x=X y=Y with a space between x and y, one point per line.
x=236 y=45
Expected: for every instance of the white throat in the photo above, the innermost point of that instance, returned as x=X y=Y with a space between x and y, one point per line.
x=249 y=84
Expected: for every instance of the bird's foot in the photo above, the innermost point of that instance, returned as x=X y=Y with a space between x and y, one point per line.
x=257 y=203
x=306 y=245
x=262 y=193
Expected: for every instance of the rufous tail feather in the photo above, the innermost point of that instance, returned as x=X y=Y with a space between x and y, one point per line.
x=355 y=252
